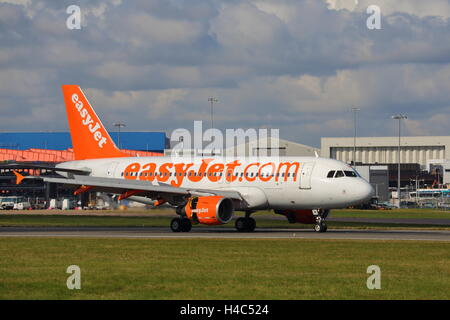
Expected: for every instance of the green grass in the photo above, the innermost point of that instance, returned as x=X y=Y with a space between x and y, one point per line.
x=34 y=268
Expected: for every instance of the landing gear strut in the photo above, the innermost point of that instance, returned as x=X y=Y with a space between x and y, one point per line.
x=180 y=225
x=246 y=224
x=321 y=225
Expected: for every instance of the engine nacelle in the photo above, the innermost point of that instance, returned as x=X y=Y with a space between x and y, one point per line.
x=298 y=216
x=210 y=210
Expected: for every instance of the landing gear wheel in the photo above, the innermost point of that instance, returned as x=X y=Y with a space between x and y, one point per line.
x=251 y=224
x=245 y=224
x=240 y=224
x=320 y=227
x=176 y=225
x=186 y=225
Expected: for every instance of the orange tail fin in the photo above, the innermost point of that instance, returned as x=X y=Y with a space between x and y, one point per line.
x=90 y=140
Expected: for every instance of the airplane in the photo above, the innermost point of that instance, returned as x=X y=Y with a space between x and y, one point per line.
x=204 y=190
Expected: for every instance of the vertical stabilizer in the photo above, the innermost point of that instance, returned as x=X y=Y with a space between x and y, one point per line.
x=90 y=140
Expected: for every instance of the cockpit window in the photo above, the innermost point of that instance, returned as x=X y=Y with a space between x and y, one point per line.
x=350 y=173
x=339 y=174
x=331 y=174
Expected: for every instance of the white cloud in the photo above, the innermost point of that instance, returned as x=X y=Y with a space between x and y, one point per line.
x=420 y=8
x=342 y=4
x=294 y=64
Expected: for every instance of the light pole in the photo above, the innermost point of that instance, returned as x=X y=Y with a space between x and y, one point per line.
x=119 y=125
x=399 y=117
x=212 y=100
x=354 y=110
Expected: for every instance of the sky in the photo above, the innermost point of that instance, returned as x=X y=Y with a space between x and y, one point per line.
x=294 y=65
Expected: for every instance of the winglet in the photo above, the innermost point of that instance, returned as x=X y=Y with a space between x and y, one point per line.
x=19 y=177
x=315 y=152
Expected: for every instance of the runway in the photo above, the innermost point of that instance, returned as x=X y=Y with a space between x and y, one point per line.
x=223 y=233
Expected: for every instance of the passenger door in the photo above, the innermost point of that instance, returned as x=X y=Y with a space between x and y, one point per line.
x=305 y=175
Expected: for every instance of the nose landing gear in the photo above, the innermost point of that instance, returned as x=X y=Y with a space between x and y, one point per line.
x=321 y=225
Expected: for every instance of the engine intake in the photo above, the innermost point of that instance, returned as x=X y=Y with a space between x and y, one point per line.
x=211 y=210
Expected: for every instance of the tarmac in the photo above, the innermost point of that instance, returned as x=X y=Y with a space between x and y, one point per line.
x=223 y=233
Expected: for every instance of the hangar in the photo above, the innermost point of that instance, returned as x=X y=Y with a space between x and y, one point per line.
x=271 y=146
x=256 y=147
x=372 y=150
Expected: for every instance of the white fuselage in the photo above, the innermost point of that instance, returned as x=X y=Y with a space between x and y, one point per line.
x=264 y=183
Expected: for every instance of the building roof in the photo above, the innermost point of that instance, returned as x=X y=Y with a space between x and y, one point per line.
x=144 y=141
x=386 y=141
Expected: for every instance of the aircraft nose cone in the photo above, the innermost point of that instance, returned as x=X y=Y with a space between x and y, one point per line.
x=366 y=191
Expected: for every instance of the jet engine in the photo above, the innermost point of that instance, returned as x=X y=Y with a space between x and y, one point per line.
x=210 y=210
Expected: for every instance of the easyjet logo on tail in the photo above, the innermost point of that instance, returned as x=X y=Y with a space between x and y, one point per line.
x=88 y=121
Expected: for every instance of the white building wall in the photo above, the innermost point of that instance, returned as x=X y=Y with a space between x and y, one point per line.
x=385 y=149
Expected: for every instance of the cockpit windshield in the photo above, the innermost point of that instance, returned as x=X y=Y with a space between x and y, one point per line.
x=350 y=174
x=342 y=173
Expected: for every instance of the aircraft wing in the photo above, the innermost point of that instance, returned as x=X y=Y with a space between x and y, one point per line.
x=137 y=187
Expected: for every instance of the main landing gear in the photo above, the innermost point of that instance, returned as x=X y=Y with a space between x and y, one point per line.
x=246 y=224
x=180 y=225
x=321 y=225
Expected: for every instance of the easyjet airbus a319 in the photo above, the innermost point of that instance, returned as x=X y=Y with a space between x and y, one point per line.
x=205 y=190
